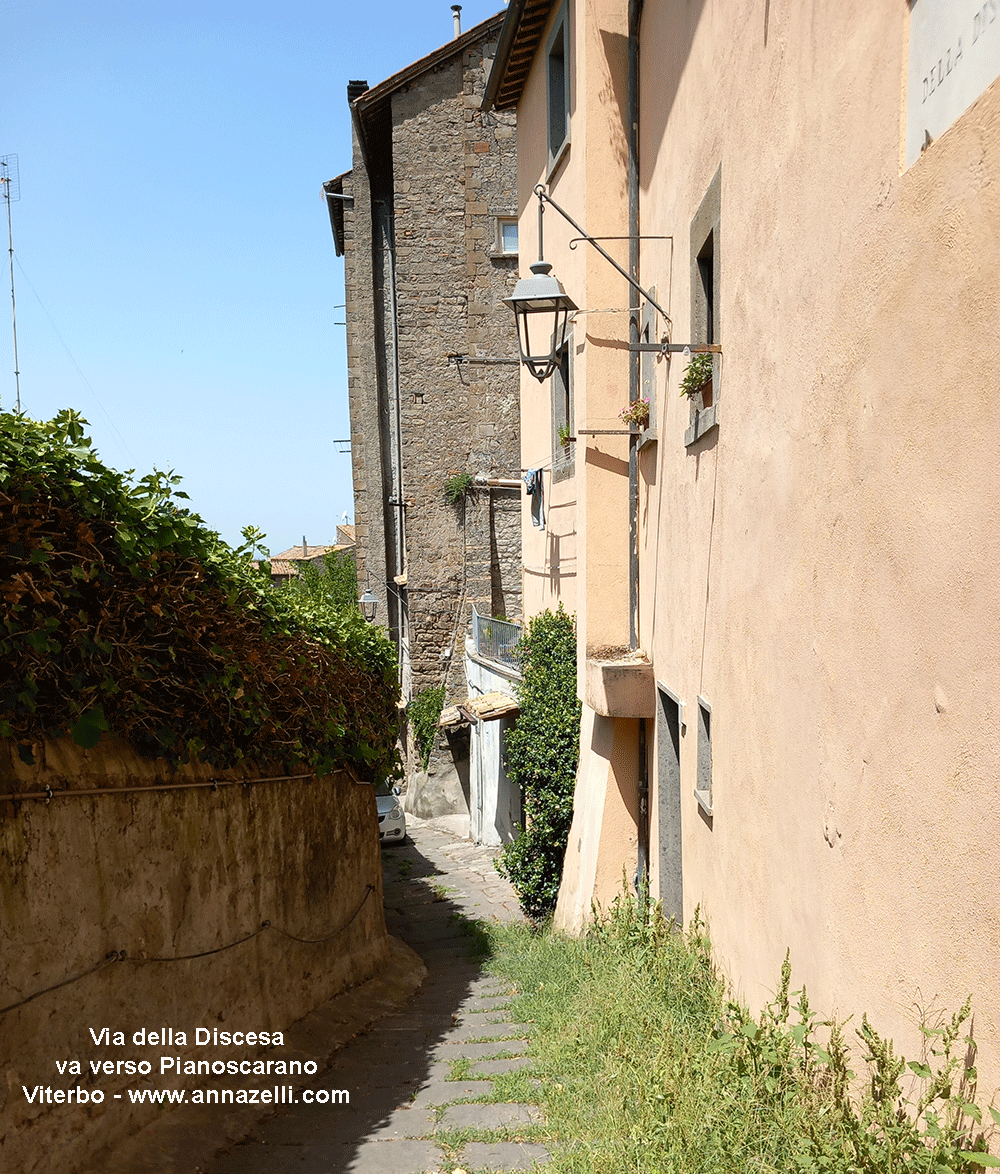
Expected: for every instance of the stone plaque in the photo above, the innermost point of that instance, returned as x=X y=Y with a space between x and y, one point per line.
x=954 y=55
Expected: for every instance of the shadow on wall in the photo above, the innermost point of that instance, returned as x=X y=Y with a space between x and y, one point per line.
x=444 y=788
x=666 y=34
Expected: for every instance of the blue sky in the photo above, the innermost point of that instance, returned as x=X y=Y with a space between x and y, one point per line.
x=174 y=271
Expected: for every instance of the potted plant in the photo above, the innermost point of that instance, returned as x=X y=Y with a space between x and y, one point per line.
x=636 y=415
x=697 y=378
x=564 y=437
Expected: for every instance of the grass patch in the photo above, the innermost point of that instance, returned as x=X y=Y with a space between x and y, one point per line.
x=646 y=1065
x=460 y=1069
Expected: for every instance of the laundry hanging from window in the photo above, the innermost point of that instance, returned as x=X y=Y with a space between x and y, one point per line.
x=533 y=486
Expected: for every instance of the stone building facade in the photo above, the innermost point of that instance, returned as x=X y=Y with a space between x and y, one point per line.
x=426 y=223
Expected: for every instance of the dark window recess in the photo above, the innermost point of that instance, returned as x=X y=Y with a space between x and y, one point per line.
x=557 y=65
x=668 y=789
x=704 y=789
x=705 y=287
x=706 y=271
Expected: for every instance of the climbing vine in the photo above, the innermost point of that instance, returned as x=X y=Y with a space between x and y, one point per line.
x=542 y=754
x=423 y=712
x=123 y=613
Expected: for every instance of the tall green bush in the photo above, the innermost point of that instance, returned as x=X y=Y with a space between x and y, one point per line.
x=542 y=754
x=122 y=613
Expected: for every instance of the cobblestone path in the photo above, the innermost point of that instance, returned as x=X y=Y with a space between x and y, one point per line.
x=423 y=1083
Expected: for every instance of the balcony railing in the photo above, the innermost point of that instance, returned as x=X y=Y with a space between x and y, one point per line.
x=496 y=639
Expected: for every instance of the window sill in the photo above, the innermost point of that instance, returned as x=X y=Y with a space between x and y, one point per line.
x=705 y=802
x=646 y=437
x=704 y=422
x=555 y=161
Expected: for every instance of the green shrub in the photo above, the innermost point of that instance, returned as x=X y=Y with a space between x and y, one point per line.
x=334 y=585
x=542 y=754
x=423 y=713
x=123 y=613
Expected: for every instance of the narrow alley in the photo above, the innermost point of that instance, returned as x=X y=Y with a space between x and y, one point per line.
x=407 y=1112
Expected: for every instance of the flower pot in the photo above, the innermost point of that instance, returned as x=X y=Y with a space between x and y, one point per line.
x=703 y=396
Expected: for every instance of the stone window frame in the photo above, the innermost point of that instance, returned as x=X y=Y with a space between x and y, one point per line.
x=563 y=409
x=502 y=222
x=558 y=68
x=705 y=318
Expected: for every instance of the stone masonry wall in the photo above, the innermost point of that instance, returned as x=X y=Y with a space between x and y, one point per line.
x=362 y=390
x=455 y=172
x=127 y=893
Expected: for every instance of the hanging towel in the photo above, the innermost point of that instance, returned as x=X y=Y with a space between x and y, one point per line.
x=533 y=486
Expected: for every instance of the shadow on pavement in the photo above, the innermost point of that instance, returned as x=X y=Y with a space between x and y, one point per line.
x=428 y=892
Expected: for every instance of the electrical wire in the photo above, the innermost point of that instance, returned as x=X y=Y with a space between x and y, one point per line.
x=79 y=372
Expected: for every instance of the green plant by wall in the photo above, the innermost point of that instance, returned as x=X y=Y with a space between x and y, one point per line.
x=697 y=373
x=706 y=1087
x=542 y=754
x=455 y=488
x=565 y=435
x=122 y=613
x=423 y=713
x=333 y=585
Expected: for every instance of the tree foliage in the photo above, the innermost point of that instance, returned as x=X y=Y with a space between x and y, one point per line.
x=334 y=585
x=122 y=612
x=542 y=754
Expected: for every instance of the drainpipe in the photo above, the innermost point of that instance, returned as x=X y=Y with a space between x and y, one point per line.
x=634 y=17
x=642 y=863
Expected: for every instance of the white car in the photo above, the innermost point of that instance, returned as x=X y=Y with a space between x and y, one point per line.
x=391 y=820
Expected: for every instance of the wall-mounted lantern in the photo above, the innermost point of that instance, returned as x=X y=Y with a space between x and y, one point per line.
x=369 y=606
x=541 y=309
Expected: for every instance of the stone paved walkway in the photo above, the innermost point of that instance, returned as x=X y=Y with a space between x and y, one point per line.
x=416 y=1079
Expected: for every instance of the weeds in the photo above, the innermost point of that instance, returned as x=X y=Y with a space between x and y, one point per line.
x=646 y=1064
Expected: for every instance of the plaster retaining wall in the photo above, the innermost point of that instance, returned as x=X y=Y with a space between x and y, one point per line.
x=153 y=875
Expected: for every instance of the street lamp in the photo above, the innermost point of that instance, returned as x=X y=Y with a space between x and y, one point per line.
x=369 y=605
x=541 y=309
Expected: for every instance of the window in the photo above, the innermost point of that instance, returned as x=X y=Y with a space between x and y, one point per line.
x=563 y=464
x=705 y=271
x=670 y=719
x=507 y=236
x=557 y=65
x=703 y=791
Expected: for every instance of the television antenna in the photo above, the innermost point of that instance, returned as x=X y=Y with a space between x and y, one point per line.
x=10 y=181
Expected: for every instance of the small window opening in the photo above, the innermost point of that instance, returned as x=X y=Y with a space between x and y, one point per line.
x=703 y=792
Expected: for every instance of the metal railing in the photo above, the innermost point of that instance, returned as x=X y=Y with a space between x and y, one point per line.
x=496 y=639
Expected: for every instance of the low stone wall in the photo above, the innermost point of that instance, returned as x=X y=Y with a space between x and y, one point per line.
x=102 y=896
